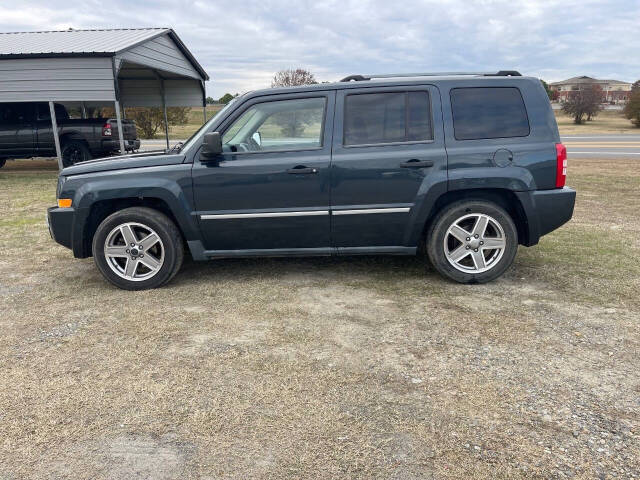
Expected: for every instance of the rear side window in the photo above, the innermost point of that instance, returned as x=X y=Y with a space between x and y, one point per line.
x=378 y=118
x=486 y=112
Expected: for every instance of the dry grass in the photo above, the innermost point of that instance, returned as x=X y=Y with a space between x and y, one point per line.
x=606 y=122
x=325 y=368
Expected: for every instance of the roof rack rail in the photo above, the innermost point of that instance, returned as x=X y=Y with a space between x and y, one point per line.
x=500 y=73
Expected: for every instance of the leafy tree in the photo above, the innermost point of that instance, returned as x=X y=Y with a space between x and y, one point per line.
x=293 y=78
x=632 y=109
x=226 y=98
x=150 y=120
x=550 y=93
x=210 y=100
x=584 y=103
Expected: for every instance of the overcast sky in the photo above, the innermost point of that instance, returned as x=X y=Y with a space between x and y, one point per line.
x=241 y=44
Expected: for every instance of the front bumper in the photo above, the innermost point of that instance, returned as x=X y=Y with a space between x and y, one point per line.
x=60 y=223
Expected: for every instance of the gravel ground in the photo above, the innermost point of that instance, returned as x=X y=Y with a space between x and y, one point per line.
x=325 y=368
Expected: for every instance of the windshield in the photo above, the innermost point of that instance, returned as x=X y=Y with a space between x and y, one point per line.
x=193 y=137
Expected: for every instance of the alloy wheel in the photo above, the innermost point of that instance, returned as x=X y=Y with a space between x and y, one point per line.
x=134 y=251
x=474 y=243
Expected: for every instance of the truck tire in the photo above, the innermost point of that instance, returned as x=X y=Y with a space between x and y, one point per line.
x=138 y=248
x=74 y=151
x=472 y=241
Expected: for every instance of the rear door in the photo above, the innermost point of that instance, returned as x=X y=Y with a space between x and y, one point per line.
x=387 y=142
x=16 y=129
x=268 y=193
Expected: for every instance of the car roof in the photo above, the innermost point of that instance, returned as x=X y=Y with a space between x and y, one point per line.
x=390 y=82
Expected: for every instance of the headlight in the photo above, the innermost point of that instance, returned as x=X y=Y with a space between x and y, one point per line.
x=61 y=181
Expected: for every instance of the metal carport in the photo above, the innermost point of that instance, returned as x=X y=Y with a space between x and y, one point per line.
x=138 y=67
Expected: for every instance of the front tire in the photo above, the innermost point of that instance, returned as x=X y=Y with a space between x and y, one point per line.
x=138 y=248
x=472 y=241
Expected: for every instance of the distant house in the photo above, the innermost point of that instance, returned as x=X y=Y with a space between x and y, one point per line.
x=615 y=91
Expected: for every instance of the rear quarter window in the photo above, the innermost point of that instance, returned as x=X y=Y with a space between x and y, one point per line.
x=488 y=112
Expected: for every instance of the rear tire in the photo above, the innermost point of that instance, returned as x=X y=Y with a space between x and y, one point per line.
x=472 y=241
x=74 y=151
x=138 y=248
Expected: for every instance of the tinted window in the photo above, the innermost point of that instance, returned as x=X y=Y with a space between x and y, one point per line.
x=488 y=113
x=15 y=113
x=45 y=114
x=374 y=118
x=279 y=125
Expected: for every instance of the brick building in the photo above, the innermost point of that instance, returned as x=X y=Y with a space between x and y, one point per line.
x=615 y=91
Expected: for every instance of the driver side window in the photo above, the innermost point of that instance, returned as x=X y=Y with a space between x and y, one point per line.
x=276 y=126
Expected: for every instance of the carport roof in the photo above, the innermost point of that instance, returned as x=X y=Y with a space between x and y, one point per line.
x=77 y=43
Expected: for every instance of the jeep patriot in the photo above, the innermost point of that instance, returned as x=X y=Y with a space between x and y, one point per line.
x=461 y=167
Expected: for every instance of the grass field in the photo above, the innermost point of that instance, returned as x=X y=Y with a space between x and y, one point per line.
x=359 y=368
x=607 y=122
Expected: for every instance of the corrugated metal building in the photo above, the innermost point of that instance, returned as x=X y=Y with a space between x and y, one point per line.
x=131 y=67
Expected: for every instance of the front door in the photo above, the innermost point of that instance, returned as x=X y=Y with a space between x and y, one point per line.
x=269 y=191
x=16 y=129
x=388 y=146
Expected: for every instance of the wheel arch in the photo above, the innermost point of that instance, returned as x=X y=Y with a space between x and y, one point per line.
x=101 y=209
x=505 y=198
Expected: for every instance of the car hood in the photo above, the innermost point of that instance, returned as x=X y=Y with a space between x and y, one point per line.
x=138 y=160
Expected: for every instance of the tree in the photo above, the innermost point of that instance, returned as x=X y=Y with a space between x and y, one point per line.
x=635 y=86
x=548 y=89
x=582 y=103
x=226 y=98
x=150 y=120
x=293 y=78
x=210 y=100
x=632 y=108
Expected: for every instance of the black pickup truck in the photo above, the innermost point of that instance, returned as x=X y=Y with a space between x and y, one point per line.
x=25 y=131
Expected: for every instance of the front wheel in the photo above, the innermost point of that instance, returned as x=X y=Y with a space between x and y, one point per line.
x=137 y=248
x=472 y=241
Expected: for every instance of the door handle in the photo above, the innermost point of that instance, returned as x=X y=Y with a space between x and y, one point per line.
x=301 y=169
x=415 y=163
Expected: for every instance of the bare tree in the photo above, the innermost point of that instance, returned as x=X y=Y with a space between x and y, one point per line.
x=582 y=103
x=293 y=78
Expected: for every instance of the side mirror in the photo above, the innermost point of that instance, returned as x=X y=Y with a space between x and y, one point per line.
x=211 y=146
x=257 y=137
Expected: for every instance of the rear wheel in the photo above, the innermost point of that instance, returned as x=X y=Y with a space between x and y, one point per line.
x=74 y=151
x=472 y=241
x=138 y=248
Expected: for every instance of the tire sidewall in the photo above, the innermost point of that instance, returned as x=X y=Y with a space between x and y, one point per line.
x=153 y=220
x=437 y=232
x=75 y=144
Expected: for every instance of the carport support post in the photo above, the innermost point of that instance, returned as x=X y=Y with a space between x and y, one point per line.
x=120 y=130
x=164 y=111
x=56 y=139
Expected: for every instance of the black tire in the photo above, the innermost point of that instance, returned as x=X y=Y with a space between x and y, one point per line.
x=153 y=220
x=74 y=151
x=496 y=262
x=2 y=162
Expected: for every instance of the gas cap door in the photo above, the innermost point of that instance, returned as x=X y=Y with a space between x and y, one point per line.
x=503 y=157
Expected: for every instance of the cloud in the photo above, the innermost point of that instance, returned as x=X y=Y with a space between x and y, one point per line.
x=243 y=43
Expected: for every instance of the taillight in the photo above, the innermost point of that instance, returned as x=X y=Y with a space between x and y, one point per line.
x=106 y=130
x=561 y=165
